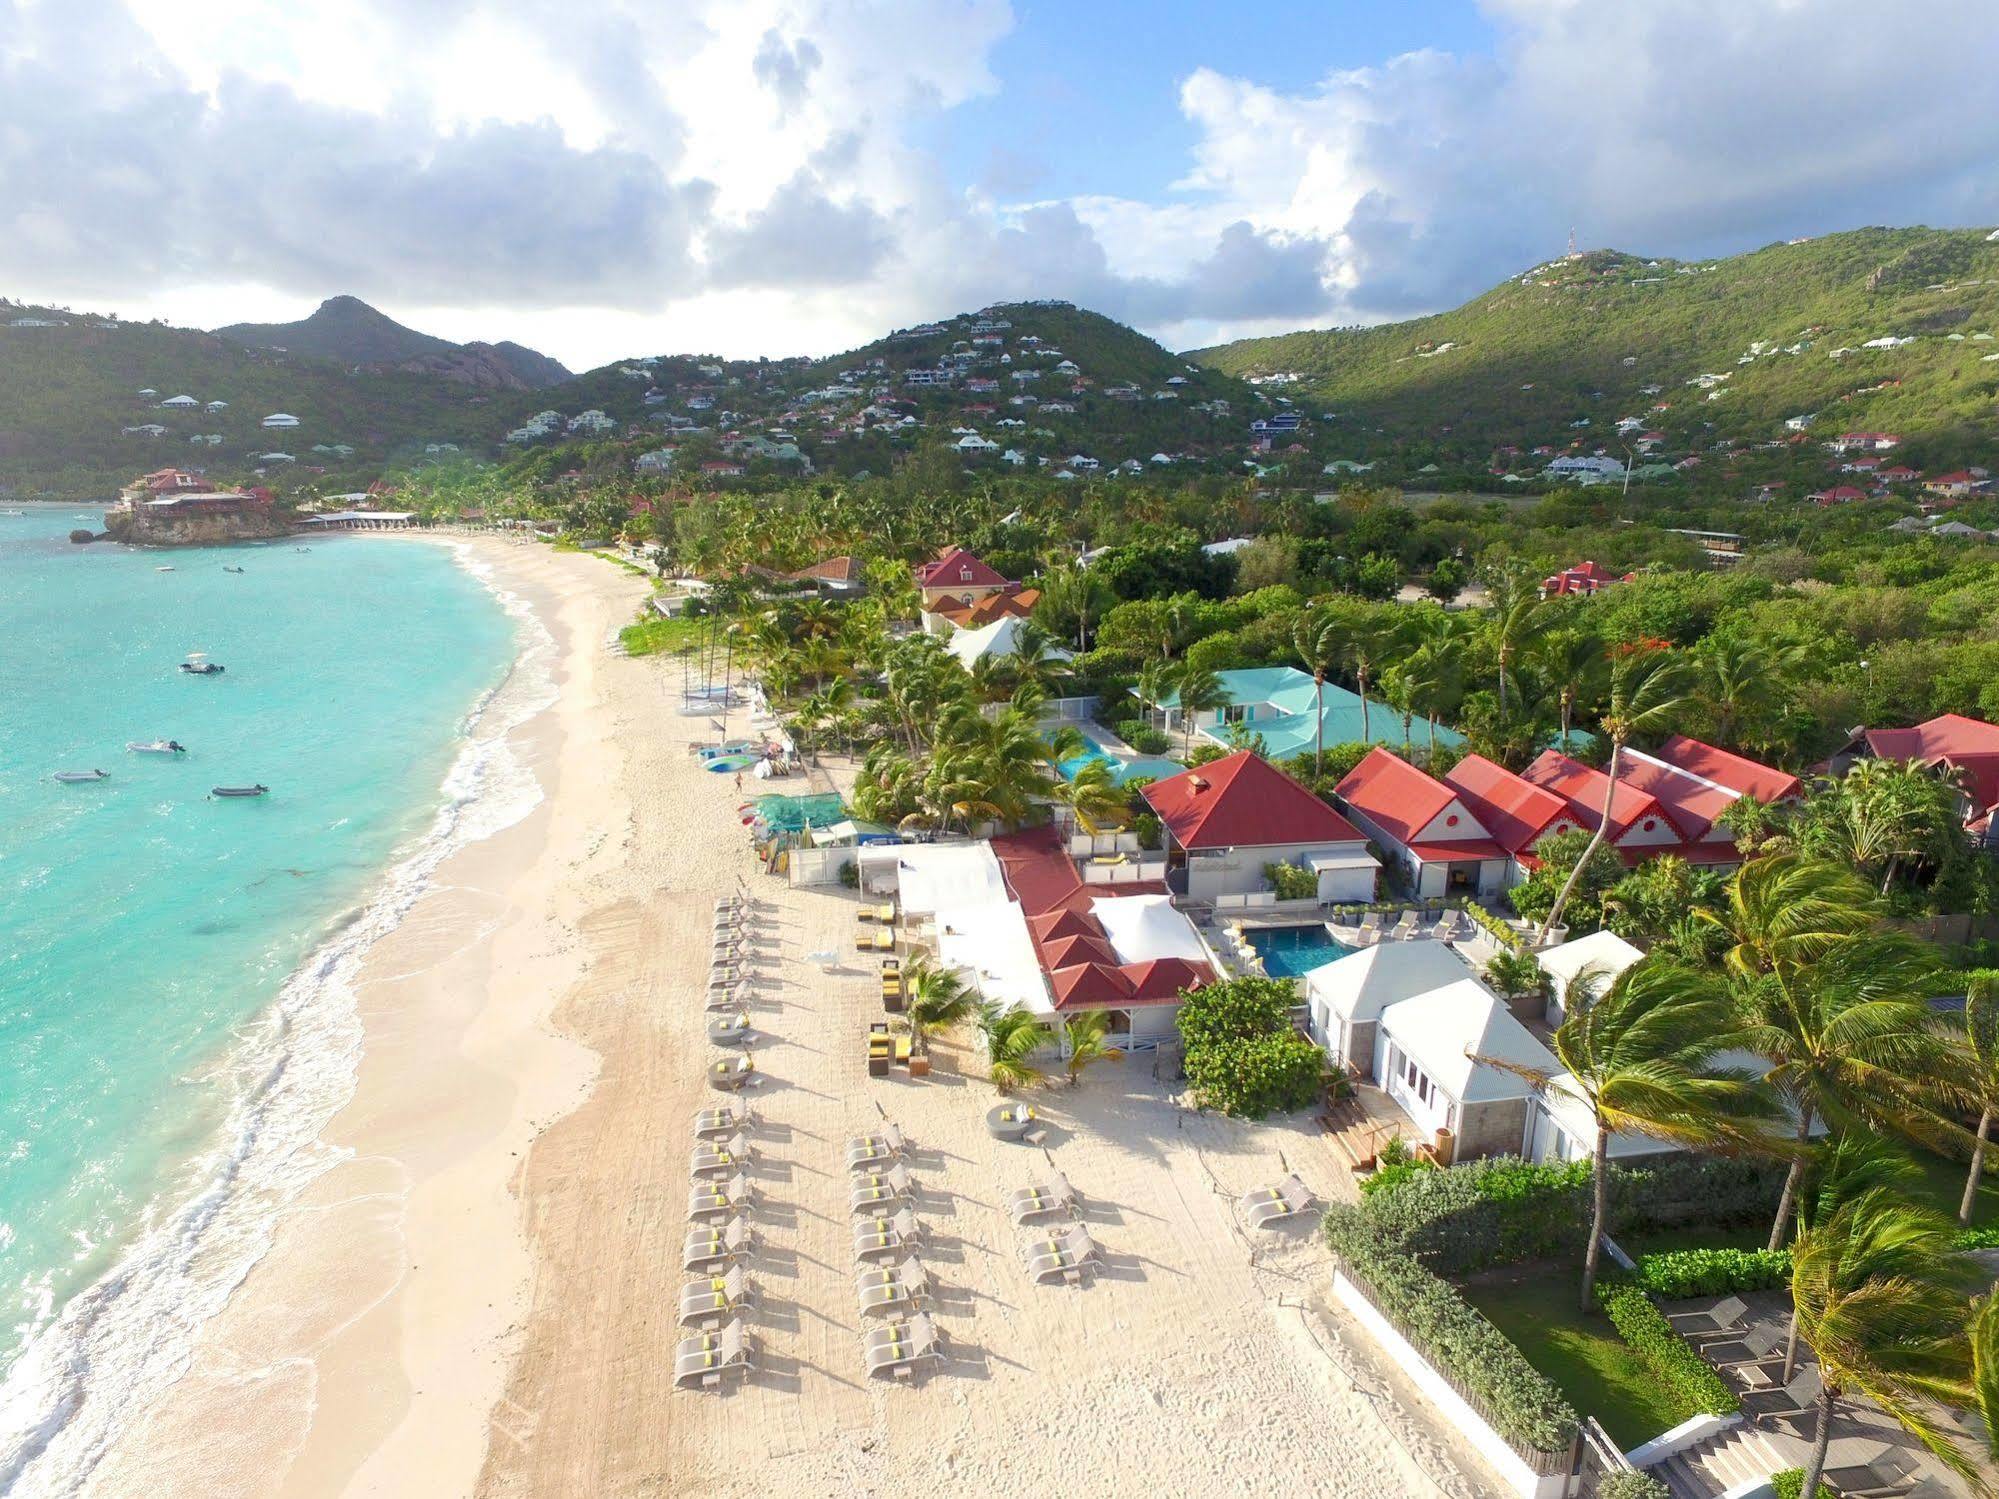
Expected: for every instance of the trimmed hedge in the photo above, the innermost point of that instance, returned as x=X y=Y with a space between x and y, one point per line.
x=1668 y=1355
x=1676 y=1274
x=1501 y=929
x=1502 y=1210
x=1976 y=1238
x=1525 y=1406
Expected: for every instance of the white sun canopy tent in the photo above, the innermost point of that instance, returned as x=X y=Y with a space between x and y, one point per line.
x=1144 y=927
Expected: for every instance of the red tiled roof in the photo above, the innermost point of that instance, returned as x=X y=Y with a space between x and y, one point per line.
x=1452 y=852
x=1950 y=736
x=1394 y=795
x=1089 y=986
x=1582 y=789
x=833 y=570
x=1690 y=803
x=954 y=566
x=1061 y=923
x=1065 y=952
x=1241 y=801
x=1738 y=773
x=1514 y=810
x=1162 y=979
x=993 y=606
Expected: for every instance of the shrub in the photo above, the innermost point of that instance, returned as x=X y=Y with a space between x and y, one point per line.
x=1502 y=1210
x=1148 y=740
x=1148 y=830
x=1501 y=929
x=1632 y=1486
x=1669 y=1356
x=1525 y=1406
x=850 y=875
x=1234 y=1010
x=1291 y=881
x=1250 y=1076
x=1978 y=1238
x=1676 y=1274
x=1789 y=1483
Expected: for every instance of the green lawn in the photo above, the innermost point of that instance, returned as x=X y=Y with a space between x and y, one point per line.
x=653 y=636
x=1535 y=1306
x=1942 y=1187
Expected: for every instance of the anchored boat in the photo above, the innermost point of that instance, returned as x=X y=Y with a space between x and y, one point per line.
x=156 y=747
x=197 y=664
x=239 y=791
x=72 y=776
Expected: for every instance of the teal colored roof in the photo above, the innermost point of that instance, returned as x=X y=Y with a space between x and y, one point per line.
x=1296 y=733
x=1278 y=685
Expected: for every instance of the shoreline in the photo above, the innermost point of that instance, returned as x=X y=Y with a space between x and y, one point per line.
x=343 y=1361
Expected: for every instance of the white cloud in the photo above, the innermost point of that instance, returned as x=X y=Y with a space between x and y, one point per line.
x=741 y=175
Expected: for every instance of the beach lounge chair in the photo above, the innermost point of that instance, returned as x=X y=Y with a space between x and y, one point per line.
x=714 y=1300
x=1755 y=1345
x=1887 y=1472
x=717 y=1124
x=884 y=939
x=879 y=1189
x=1054 y=1198
x=707 y=1247
x=710 y=1202
x=1405 y=928
x=705 y=1360
x=1724 y=1318
x=878 y=1238
x=900 y=1347
x=1794 y=1402
x=866 y=1152
x=1370 y=928
x=885 y=1290
x=1268 y=1205
x=733 y=1074
x=716 y=1159
x=1064 y=1258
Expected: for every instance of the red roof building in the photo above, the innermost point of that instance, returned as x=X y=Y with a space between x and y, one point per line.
x=1516 y=813
x=1583 y=578
x=1639 y=824
x=1424 y=826
x=1738 y=773
x=1839 y=494
x=954 y=575
x=1964 y=749
x=1225 y=820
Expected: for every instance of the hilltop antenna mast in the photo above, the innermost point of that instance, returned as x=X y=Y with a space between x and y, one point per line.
x=1572 y=243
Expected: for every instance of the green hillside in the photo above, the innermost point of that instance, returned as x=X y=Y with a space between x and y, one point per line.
x=1557 y=355
x=68 y=392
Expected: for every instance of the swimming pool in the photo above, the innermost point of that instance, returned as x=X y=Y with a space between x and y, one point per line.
x=1141 y=768
x=1289 y=952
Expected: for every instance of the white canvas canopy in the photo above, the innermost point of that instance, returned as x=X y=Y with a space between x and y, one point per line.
x=931 y=877
x=1144 y=927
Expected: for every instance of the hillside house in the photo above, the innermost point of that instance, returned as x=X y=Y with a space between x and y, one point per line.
x=955 y=576
x=1838 y=494
x=278 y=419
x=179 y=403
x=836 y=577
x=1584 y=578
x=1865 y=442
x=1224 y=821
x=1959 y=483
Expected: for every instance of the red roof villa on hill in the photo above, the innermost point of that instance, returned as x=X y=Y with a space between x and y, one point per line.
x=954 y=575
x=1227 y=819
x=1583 y=578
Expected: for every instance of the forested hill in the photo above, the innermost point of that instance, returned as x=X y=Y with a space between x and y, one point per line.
x=350 y=331
x=1874 y=329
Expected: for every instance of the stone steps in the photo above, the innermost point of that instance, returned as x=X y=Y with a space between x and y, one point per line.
x=1724 y=1461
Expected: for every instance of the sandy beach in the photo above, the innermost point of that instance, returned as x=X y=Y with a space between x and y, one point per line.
x=480 y=1297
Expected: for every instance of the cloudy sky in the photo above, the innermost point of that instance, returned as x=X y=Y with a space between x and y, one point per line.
x=794 y=176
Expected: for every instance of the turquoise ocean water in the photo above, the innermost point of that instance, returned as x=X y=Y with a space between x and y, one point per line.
x=174 y=1029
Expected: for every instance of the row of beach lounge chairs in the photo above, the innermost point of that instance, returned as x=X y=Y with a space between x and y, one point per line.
x=720 y=1348
x=890 y=1282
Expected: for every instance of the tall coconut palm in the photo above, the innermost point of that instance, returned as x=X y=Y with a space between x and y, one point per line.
x=1367 y=648
x=1320 y=648
x=1852 y=1044
x=1883 y=1301
x=1784 y=910
x=1741 y=683
x=1519 y=618
x=1012 y=1037
x=1199 y=691
x=1073 y=595
x=1647 y=690
x=1087 y=1040
x=1155 y=685
x=1575 y=667
x=1094 y=795
x=1985 y=1365
x=936 y=1000
x=1981 y=1064
x=1644 y=1058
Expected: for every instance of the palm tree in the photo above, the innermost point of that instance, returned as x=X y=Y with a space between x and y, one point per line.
x=1740 y=683
x=1366 y=647
x=1575 y=666
x=1884 y=1302
x=1852 y=1043
x=1783 y=910
x=1981 y=1056
x=1319 y=647
x=1200 y=691
x=937 y=999
x=1515 y=974
x=1155 y=685
x=1094 y=795
x=1647 y=689
x=1075 y=595
x=1518 y=619
x=1644 y=1058
x=1985 y=1365
x=1087 y=1040
x=1012 y=1036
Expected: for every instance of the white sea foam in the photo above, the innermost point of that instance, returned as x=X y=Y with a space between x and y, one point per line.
x=118 y=1345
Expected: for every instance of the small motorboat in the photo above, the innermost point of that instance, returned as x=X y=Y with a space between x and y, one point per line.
x=156 y=747
x=71 y=777
x=228 y=569
x=13 y=512
x=162 y=569
x=197 y=664
x=239 y=791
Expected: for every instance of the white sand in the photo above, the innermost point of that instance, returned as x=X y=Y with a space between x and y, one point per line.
x=483 y=1299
